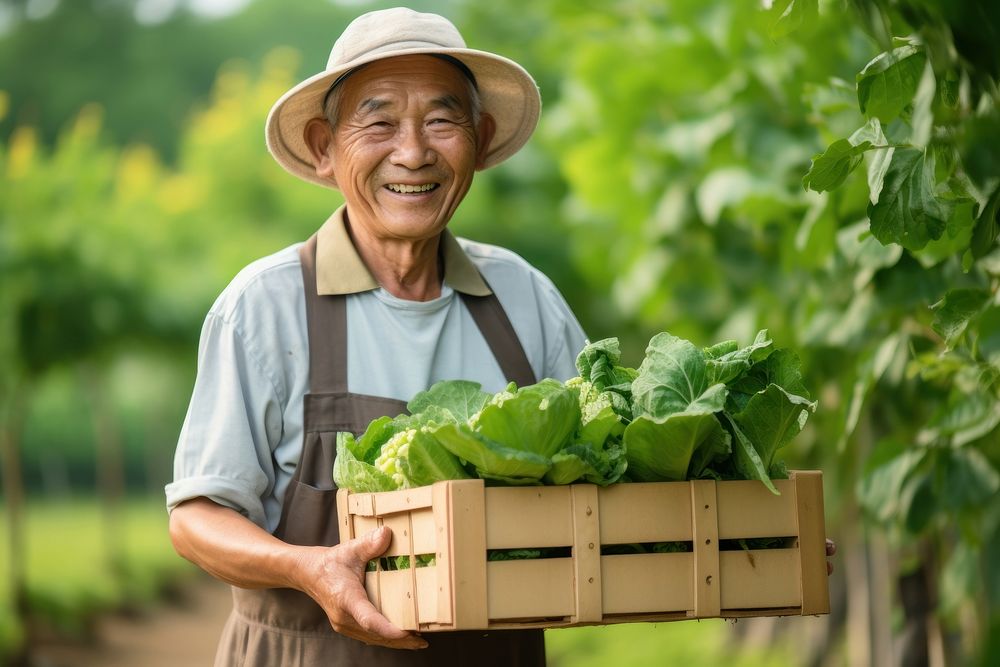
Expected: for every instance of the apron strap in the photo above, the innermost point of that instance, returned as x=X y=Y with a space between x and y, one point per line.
x=326 y=318
x=499 y=333
x=327 y=326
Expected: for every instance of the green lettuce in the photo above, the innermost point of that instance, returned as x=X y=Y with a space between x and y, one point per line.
x=720 y=412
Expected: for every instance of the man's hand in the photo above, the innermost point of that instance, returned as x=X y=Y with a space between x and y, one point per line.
x=831 y=549
x=237 y=551
x=335 y=579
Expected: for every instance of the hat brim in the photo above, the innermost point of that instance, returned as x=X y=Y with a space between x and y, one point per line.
x=507 y=91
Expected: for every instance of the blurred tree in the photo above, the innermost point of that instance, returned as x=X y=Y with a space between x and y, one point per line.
x=146 y=70
x=683 y=131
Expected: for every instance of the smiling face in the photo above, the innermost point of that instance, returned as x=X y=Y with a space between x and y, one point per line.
x=404 y=147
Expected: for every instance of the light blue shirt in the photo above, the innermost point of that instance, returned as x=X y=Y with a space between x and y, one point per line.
x=242 y=436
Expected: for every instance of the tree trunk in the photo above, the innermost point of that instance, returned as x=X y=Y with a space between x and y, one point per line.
x=922 y=640
x=11 y=423
x=110 y=465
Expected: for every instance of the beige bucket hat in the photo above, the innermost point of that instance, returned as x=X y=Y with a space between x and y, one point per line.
x=508 y=92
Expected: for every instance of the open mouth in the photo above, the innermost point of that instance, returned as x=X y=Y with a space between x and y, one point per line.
x=402 y=188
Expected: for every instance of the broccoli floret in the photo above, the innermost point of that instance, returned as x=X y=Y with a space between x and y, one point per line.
x=592 y=401
x=593 y=407
x=394 y=449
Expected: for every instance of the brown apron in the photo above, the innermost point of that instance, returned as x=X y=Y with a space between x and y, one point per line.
x=286 y=628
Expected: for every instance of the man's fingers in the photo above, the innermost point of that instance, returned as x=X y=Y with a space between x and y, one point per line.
x=376 y=628
x=831 y=549
x=370 y=545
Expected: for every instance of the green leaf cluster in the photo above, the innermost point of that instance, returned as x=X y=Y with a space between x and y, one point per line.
x=721 y=412
x=673 y=418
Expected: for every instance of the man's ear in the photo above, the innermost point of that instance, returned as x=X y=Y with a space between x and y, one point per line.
x=484 y=137
x=318 y=136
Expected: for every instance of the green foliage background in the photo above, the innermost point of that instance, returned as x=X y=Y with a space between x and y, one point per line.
x=708 y=168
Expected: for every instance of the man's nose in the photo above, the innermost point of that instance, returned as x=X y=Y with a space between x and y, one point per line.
x=413 y=150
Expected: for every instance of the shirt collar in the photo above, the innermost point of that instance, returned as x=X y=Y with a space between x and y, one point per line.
x=340 y=270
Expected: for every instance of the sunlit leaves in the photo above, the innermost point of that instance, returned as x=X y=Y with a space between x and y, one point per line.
x=830 y=169
x=908 y=211
x=786 y=16
x=888 y=83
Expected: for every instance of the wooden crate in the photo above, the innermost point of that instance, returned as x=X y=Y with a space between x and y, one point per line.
x=458 y=521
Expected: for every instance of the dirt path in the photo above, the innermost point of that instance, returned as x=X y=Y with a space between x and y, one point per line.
x=178 y=633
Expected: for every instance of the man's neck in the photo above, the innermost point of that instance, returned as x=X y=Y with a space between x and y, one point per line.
x=407 y=269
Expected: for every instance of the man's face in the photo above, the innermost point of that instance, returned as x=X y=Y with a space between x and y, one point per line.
x=404 y=147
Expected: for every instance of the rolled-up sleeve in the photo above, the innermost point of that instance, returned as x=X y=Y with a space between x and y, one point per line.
x=224 y=452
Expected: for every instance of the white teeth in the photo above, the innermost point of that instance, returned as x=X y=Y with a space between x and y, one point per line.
x=407 y=189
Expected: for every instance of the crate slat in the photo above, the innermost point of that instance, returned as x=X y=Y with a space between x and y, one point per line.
x=665 y=584
x=762 y=578
x=648 y=512
x=749 y=509
x=812 y=542
x=530 y=588
x=586 y=553
x=509 y=508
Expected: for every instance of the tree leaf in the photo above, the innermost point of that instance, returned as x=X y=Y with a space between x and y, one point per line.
x=970 y=479
x=878 y=160
x=888 y=83
x=787 y=16
x=908 y=211
x=919 y=503
x=969 y=414
x=923 y=113
x=987 y=226
x=863 y=250
x=954 y=312
x=880 y=490
x=831 y=168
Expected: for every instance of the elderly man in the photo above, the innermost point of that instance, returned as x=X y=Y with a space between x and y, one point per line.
x=324 y=336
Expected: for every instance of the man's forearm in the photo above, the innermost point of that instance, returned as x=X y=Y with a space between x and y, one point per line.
x=230 y=547
x=233 y=548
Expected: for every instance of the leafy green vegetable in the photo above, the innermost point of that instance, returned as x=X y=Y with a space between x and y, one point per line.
x=460 y=398
x=662 y=450
x=351 y=472
x=718 y=412
x=426 y=461
x=491 y=459
x=539 y=418
x=395 y=453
